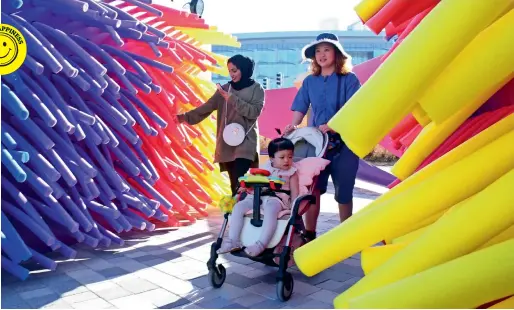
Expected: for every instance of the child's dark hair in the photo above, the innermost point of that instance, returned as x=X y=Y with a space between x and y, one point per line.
x=279 y=144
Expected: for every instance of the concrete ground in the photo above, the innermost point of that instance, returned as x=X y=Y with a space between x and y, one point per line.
x=166 y=269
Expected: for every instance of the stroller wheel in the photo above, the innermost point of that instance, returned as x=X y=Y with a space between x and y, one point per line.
x=285 y=287
x=217 y=276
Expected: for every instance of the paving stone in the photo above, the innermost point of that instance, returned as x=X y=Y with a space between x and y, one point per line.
x=167 y=282
x=303 y=288
x=314 y=304
x=353 y=262
x=269 y=304
x=169 y=255
x=112 y=272
x=86 y=276
x=131 y=265
x=241 y=281
x=137 y=285
x=343 y=268
x=58 y=304
x=36 y=293
x=40 y=301
x=347 y=284
x=70 y=265
x=13 y=301
x=201 y=282
x=113 y=293
x=134 y=254
x=323 y=295
x=132 y=301
x=153 y=262
x=263 y=289
x=96 y=303
x=67 y=287
x=216 y=303
x=100 y=286
x=157 y=251
x=330 y=285
x=182 y=303
x=193 y=274
x=234 y=306
x=159 y=297
x=249 y=299
x=80 y=297
x=97 y=264
x=29 y=285
x=269 y=278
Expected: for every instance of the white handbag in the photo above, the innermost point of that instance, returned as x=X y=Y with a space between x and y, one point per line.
x=234 y=133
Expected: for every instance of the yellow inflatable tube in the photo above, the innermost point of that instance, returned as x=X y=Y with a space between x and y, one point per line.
x=505 y=304
x=472 y=76
x=457 y=233
x=430 y=138
x=391 y=92
x=373 y=257
x=420 y=115
x=503 y=236
x=452 y=185
x=366 y=9
x=410 y=237
x=407 y=230
x=466 y=282
x=465 y=149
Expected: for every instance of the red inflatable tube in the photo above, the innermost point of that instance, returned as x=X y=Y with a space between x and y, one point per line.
x=403 y=126
x=411 y=135
x=392 y=30
x=385 y=15
x=413 y=24
x=411 y=10
x=469 y=129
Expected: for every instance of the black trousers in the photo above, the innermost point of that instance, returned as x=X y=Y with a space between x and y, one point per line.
x=237 y=169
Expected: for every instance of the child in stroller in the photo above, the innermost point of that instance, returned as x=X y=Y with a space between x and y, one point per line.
x=284 y=197
x=279 y=165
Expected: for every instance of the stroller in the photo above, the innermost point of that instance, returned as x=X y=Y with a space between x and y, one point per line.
x=309 y=142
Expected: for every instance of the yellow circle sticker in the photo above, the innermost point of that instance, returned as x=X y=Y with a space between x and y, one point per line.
x=13 y=49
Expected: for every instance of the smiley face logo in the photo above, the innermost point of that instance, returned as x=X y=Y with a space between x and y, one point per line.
x=13 y=49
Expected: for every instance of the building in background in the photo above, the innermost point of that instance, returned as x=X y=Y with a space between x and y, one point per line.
x=280 y=52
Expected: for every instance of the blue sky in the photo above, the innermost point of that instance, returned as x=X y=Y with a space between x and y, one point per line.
x=236 y=16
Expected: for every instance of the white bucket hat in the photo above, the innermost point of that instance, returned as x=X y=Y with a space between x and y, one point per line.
x=309 y=50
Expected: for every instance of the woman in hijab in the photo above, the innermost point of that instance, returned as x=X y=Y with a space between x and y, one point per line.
x=238 y=102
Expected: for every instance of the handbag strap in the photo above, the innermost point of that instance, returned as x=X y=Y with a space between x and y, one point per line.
x=226 y=112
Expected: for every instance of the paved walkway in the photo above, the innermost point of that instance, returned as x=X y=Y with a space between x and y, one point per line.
x=166 y=269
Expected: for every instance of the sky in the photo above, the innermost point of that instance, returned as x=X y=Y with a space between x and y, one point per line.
x=240 y=16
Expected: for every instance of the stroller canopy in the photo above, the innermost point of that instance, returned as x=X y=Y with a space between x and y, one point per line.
x=309 y=142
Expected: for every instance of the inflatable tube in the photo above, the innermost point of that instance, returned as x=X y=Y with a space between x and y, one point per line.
x=501 y=237
x=453 y=184
x=442 y=287
x=407 y=75
x=366 y=9
x=441 y=240
x=373 y=257
x=460 y=85
x=421 y=116
x=411 y=10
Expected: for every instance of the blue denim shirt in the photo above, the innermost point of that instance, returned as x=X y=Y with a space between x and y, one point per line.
x=321 y=92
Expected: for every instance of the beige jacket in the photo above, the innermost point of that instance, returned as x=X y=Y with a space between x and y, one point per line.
x=243 y=107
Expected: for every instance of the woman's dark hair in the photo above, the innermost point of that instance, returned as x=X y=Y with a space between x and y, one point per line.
x=279 y=144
